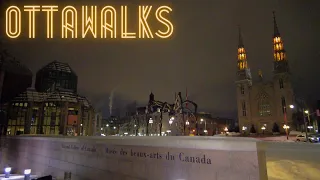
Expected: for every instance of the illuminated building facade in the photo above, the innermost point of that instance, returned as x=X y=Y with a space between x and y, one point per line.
x=50 y=113
x=151 y=122
x=264 y=103
x=53 y=108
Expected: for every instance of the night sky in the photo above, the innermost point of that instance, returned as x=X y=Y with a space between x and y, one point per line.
x=200 y=56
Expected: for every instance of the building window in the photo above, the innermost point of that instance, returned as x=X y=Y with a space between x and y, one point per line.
x=244 y=109
x=242 y=89
x=283 y=103
x=281 y=83
x=264 y=107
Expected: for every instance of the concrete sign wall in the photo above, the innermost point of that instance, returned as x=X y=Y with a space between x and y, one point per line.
x=151 y=158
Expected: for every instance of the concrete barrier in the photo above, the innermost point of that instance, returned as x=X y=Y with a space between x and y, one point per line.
x=151 y=158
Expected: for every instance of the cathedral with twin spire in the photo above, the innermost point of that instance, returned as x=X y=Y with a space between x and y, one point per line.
x=263 y=104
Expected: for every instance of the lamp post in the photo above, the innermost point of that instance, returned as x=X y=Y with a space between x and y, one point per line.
x=106 y=129
x=187 y=124
x=263 y=128
x=205 y=125
x=7 y=171
x=151 y=122
x=286 y=128
x=226 y=129
x=27 y=174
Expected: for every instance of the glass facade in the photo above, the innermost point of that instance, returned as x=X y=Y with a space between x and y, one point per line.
x=56 y=75
x=50 y=114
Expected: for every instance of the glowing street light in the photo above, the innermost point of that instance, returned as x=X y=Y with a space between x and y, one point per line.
x=286 y=128
x=107 y=125
x=27 y=173
x=150 y=121
x=306 y=111
x=187 y=123
x=291 y=106
x=114 y=127
x=226 y=129
x=7 y=171
x=263 y=128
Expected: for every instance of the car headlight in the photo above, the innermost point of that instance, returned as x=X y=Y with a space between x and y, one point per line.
x=312 y=138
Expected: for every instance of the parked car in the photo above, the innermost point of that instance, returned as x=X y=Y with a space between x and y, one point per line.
x=301 y=137
x=315 y=138
x=311 y=138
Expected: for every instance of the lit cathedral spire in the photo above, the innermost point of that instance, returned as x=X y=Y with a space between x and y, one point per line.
x=243 y=69
x=280 y=61
x=242 y=56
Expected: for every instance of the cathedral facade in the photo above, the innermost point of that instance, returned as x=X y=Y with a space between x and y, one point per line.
x=264 y=105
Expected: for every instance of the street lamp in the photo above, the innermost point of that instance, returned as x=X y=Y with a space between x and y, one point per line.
x=187 y=123
x=286 y=128
x=205 y=123
x=168 y=131
x=27 y=173
x=226 y=129
x=150 y=121
x=291 y=106
x=263 y=128
x=171 y=120
x=7 y=171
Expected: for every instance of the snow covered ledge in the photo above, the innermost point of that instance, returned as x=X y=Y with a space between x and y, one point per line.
x=135 y=158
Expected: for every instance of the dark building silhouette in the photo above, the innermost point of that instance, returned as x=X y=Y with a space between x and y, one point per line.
x=56 y=75
x=15 y=78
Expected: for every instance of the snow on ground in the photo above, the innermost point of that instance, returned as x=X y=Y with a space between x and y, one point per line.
x=278 y=138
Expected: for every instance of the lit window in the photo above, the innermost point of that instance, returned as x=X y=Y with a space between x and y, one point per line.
x=264 y=106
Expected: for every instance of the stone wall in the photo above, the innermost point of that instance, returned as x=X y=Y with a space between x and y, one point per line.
x=137 y=158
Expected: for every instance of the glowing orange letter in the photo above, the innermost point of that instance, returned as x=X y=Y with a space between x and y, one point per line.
x=124 y=28
x=164 y=21
x=144 y=28
x=89 y=22
x=17 y=22
x=32 y=16
x=72 y=27
x=111 y=27
x=49 y=10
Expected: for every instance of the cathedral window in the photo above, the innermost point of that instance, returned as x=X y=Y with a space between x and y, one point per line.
x=278 y=56
x=264 y=106
x=281 y=83
x=242 y=89
x=244 y=109
x=283 y=103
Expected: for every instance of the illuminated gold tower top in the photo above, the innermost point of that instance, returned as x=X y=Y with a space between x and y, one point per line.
x=279 y=53
x=242 y=55
x=243 y=69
